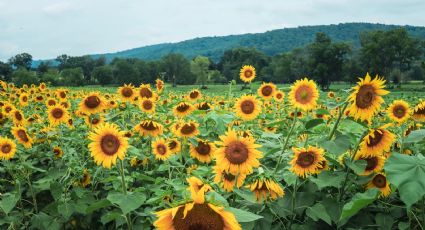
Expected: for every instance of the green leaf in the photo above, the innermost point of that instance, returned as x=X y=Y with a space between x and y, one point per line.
x=98 y=205
x=245 y=194
x=338 y=146
x=8 y=202
x=322 y=111
x=313 y=123
x=110 y=216
x=318 y=211
x=244 y=216
x=384 y=221
x=406 y=173
x=357 y=166
x=328 y=179
x=415 y=136
x=359 y=201
x=56 y=190
x=127 y=203
x=215 y=197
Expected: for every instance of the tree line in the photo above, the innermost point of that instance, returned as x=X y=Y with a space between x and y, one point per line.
x=392 y=54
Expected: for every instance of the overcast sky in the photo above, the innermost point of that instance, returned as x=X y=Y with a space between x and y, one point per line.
x=48 y=28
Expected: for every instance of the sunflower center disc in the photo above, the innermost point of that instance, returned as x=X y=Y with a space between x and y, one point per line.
x=18 y=116
x=247 y=107
x=147 y=105
x=365 y=96
x=51 y=102
x=248 y=74
x=182 y=107
x=305 y=159
x=188 y=128
x=6 y=148
x=127 y=92
x=23 y=135
x=203 y=148
x=172 y=145
x=303 y=95
x=109 y=144
x=8 y=109
x=201 y=217
x=95 y=121
x=236 y=152
x=267 y=91
x=379 y=181
x=229 y=177
x=145 y=92
x=161 y=149
x=92 y=102
x=420 y=111
x=148 y=126
x=376 y=139
x=62 y=94
x=371 y=163
x=57 y=113
x=194 y=94
x=399 y=111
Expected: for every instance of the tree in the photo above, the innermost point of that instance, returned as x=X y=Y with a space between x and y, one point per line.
x=43 y=67
x=177 y=69
x=125 y=72
x=103 y=74
x=23 y=60
x=51 y=77
x=23 y=76
x=5 y=71
x=72 y=77
x=86 y=63
x=199 y=67
x=215 y=76
x=326 y=60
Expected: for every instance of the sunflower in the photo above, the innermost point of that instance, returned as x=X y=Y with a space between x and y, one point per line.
x=174 y=145
x=247 y=107
x=94 y=120
x=419 y=112
x=380 y=181
x=107 y=143
x=7 y=148
x=204 y=106
x=57 y=114
x=126 y=93
x=279 y=96
x=51 y=102
x=377 y=141
x=159 y=84
x=183 y=109
x=58 y=152
x=367 y=98
x=86 y=180
x=160 y=149
x=247 y=73
x=194 y=95
x=92 y=103
x=61 y=94
x=307 y=161
x=21 y=135
x=227 y=180
x=237 y=154
x=42 y=86
x=23 y=100
x=399 y=111
x=149 y=128
x=147 y=105
x=188 y=129
x=331 y=94
x=262 y=187
x=267 y=90
x=304 y=94
x=18 y=117
x=145 y=91
x=197 y=189
x=202 y=151
x=374 y=164
x=8 y=108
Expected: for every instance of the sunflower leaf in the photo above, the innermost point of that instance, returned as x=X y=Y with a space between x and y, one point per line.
x=318 y=211
x=359 y=201
x=313 y=123
x=244 y=216
x=128 y=202
x=415 y=136
x=8 y=202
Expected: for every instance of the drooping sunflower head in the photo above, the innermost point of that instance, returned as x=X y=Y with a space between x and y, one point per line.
x=227 y=180
x=380 y=182
x=307 y=161
x=161 y=150
x=247 y=107
x=57 y=114
x=377 y=141
x=7 y=148
x=399 y=111
x=147 y=105
x=92 y=103
x=265 y=189
x=149 y=128
x=419 y=112
x=279 y=96
x=145 y=91
x=21 y=135
x=247 y=73
x=188 y=129
x=107 y=144
x=126 y=93
x=367 y=98
x=194 y=95
x=237 y=154
x=197 y=189
x=304 y=94
x=267 y=90
x=202 y=151
x=183 y=109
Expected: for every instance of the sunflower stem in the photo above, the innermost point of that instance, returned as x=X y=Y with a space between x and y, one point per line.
x=294 y=193
x=341 y=112
x=124 y=191
x=285 y=144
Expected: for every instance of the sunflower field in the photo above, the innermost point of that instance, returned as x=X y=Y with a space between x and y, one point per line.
x=270 y=157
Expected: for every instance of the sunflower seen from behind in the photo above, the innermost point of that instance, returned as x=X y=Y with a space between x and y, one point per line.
x=307 y=161
x=366 y=99
x=304 y=94
x=247 y=73
x=237 y=154
x=247 y=107
x=7 y=148
x=107 y=144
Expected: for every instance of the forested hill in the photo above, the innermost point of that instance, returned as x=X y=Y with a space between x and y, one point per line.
x=271 y=42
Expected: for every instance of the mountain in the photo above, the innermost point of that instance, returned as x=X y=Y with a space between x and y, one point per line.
x=270 y=42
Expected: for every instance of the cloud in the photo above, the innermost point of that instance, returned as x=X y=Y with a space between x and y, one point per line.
x=58 y=8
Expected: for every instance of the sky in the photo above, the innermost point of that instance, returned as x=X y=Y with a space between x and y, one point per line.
x=48 y=28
